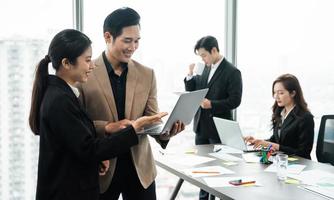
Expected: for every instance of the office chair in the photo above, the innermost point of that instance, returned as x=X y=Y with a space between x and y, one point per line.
x=325 y=143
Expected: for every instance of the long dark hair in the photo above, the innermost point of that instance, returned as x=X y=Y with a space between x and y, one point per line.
x=68 y=44
x=291 y=84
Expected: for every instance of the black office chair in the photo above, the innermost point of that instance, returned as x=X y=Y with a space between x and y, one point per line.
x=325 y=143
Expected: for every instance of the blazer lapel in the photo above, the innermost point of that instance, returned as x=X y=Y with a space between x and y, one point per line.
x=205 y=76
x=103 y=79
x=285 y=124
x=217 y=73
x=131 y=82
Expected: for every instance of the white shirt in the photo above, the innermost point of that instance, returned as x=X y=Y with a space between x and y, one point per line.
x=214 y=67
x=75 y=90
x=284 y=116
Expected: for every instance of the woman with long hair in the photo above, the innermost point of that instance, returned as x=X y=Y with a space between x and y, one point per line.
x=70 y=152
x=292 y=122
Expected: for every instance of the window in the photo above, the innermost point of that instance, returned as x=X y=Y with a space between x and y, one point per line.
x=277 y=37
x=27 y=28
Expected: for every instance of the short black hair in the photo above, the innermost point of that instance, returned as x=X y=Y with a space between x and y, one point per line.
x=207 y=42
x=120 y=18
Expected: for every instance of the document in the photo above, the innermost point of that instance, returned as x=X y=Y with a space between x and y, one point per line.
x=207 y=171
x=292 y=169
x=183 y=161
x=322 y=183
x=225 y=156
x=226 y=149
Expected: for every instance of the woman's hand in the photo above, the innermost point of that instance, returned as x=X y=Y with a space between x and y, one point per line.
x=141 y=122
x=113 y=127
x=249 y=139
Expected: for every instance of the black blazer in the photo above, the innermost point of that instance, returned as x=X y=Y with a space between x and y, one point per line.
x=225 y=91
x=297 y=134
x=69 y=152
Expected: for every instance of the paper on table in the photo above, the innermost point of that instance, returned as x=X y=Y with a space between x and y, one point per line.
x=321 y=183
x=251 y=158
x=185 y=160
x=226 y=149
x=225 y=156
x=322 y=178
x=325 y=192
x=207 y=171
x=292 y=169
x=224 y=181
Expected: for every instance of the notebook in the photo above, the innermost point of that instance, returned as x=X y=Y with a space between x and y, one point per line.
x=230 y=134
x=184 y=111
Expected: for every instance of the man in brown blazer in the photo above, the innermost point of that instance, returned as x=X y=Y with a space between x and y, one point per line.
x=121 y=88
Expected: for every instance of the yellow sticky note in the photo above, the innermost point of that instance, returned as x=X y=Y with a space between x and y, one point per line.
x=292 y=159
x=291 y=181
x=191 y=151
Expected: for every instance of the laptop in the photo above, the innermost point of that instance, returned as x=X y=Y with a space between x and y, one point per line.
x=230 y=134
x=184 y=110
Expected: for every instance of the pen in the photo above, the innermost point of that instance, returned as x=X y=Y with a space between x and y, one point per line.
x=205 y=172
x=247 y=182
x=217 y=150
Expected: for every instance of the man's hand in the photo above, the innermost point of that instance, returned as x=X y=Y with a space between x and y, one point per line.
x=176 y=129
x=191 y=69
x=206 y=104
x=141 y=122
x=113 y=127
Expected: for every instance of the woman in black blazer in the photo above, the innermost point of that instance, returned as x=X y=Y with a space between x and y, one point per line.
x=292 y=122
x=70 y=153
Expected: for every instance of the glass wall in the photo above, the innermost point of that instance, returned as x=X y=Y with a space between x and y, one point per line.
x=26 y=30
x=277 y=37
x=274 y=37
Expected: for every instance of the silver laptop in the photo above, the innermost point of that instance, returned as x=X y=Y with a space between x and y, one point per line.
x=184 y=111
x=230 y=134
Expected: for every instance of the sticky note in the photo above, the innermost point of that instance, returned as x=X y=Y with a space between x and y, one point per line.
x=292 y=159
x=191 y=151
x=291 y=181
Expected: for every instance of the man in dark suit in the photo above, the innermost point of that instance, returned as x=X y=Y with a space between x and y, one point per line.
x=225 y=91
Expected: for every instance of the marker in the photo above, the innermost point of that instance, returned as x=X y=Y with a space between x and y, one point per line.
x=217 y=150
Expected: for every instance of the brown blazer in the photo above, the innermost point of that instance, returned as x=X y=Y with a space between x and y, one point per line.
x=141 y=99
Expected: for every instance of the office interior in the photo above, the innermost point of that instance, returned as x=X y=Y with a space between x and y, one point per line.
x=264 y=39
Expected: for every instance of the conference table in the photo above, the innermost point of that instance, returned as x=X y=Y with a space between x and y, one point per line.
x=270 y=189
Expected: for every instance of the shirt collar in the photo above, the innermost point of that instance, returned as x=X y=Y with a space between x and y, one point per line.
x=213 y=66
x=75 y=90
x=283 y=112
x=110 y=70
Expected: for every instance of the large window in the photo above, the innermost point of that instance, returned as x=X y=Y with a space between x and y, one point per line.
x=26 y=30
x=277 y=37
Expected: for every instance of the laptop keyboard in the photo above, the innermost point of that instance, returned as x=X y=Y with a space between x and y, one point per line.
x=250 y=148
